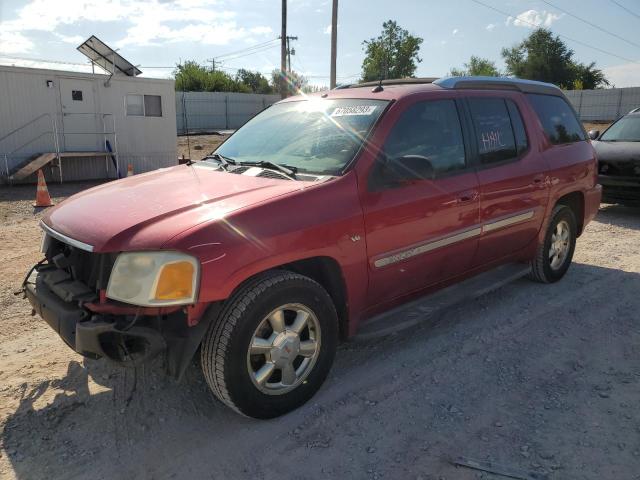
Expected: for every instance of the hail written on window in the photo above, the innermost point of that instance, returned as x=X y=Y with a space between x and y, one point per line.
x=143 y=105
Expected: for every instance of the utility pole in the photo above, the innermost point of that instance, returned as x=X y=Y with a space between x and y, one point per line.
x=290 y=51
x=283 y=51
x=334 y=44
x=213 y=63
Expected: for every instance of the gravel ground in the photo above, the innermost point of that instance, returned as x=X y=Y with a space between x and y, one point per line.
x=542 y=379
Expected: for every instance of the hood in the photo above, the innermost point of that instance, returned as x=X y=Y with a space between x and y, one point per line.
x=145 y=211
x=617 y=151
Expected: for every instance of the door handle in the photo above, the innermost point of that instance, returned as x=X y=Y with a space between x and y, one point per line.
x=468 y=196
x=538 y=179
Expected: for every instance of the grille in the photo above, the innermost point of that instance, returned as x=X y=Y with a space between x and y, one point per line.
x=625 y=169
x=91 y=269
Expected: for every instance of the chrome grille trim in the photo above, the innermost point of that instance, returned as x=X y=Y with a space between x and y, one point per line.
x=63 y=238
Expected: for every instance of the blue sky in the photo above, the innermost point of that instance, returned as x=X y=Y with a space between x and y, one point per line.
x=160 y=33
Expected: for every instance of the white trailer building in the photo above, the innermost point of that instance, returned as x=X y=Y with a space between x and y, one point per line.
x=79 y=126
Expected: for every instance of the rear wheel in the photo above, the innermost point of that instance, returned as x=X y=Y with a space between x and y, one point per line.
x=272 y=346
x=554 y=255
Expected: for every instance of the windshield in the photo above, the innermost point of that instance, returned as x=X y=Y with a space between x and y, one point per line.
x=313 y=136
x=627 y=129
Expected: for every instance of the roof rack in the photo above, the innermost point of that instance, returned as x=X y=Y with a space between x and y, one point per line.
x=498 y=83
x=391 y=81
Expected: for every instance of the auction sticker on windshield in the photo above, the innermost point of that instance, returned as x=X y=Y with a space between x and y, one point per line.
x=354 y=110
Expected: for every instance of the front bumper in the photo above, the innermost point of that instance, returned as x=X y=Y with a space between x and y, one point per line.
x=620 y=189
x=93 y=336
x=126 y=339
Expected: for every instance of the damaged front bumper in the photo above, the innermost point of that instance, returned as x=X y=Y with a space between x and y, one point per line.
x=123 y=334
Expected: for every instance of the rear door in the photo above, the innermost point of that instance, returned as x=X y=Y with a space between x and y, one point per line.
x=512 y=175
x=422 y=231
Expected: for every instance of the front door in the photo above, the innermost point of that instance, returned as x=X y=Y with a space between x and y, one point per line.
x=80 y=122
x=423 y=230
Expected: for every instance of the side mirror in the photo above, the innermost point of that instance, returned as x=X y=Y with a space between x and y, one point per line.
x=410 y=167
x=594 y=134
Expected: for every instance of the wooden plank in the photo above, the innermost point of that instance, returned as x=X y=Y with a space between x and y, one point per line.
x=33 y=166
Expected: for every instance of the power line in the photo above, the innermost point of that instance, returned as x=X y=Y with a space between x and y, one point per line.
x=507 y=14
x=252 y=47
x=592 y=24
x=253 y=52
x=625 y=9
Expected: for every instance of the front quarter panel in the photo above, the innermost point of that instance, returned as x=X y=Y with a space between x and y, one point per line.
x=318 y=220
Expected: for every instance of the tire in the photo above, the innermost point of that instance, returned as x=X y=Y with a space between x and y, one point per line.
x=543 y=268
x=233 y=373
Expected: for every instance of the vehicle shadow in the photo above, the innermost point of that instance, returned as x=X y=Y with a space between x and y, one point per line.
x=615 y=214
x=106 y=422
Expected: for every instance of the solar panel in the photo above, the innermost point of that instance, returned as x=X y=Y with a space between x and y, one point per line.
x=106 y=57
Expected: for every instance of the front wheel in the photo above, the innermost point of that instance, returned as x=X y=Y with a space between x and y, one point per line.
x=554 y=255
x=272 y=346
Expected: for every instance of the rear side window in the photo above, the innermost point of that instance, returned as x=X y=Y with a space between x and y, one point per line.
x=495 y=136
x=557 y=118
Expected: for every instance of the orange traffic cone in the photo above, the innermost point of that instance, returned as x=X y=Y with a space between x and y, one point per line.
x=130 y=171
x=42 y=193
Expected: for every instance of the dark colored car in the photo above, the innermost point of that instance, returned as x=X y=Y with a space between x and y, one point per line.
x=318 y=215
x=618 y=150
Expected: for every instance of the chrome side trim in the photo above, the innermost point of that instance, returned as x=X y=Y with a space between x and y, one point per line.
x=505 y=222
x=63 y=238
x=427 y=247
x=457 y=237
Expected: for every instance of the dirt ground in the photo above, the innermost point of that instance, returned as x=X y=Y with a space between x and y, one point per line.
x=544 y=379
x=197 y=147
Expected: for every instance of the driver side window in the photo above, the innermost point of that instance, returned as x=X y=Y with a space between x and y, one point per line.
x=427 y=137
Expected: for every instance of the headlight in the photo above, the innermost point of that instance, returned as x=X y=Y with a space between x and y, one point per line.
x=154 y=278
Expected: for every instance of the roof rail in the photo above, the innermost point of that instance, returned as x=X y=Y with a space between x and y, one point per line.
x=498 y=83
x=635 y=110
x=390 y=81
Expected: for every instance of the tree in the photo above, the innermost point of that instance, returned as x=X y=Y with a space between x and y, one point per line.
x=256 y=82
x=294 y=81
x=192 y=77
x=477 y=66
x=541 y=56
x=393 y=54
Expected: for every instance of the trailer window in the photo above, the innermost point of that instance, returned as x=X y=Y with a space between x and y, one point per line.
x=143 y=105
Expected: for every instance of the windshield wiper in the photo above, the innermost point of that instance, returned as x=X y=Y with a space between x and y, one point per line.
x=288 y=170
x=224 y=161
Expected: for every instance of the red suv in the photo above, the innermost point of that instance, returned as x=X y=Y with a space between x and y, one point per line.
x=320 y=213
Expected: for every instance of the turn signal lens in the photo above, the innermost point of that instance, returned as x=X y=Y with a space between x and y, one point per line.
x=175 y=281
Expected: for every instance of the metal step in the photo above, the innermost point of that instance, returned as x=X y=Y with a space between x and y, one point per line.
x=425 y=308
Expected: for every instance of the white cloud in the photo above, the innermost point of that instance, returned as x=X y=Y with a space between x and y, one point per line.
x=327 y=30
x=625 y=75
x=455 y=32
x=490 y=27
x=73 y=39
x=150 y=21
x=14 y=43
x=533 y=18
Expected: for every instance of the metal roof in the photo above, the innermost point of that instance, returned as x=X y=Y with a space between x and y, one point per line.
x=106 y=57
